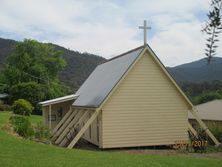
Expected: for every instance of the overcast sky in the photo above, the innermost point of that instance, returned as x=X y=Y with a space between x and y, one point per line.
x=108 y=28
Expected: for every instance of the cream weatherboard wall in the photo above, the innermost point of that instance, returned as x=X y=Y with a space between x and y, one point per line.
x=93 y=133
x=146 y=109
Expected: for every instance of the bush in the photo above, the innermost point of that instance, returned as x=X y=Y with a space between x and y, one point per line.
x=216 y=129
x=208 y=96
x=22 y=107
x=42 y=132
x=30 y=91
x=4 y=107
x=22 y=125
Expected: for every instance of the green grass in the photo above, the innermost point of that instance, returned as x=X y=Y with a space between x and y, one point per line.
x=4 y=117
x=35 y=119
x=17 y=152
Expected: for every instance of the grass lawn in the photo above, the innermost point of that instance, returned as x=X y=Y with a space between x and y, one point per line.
x=16 y=152
x=4 y=117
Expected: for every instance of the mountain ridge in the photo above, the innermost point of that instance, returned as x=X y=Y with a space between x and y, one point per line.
x=78 y=68
x=198 y=71
x=80 y=65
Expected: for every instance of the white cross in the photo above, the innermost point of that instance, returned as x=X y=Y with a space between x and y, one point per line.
x=145 y=28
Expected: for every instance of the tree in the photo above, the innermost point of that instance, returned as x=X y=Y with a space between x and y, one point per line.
x=30 y=91
x=33 y=61
x=31 y=72
x=213 y=28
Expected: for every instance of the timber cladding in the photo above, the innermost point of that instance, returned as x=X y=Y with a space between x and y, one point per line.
x=58 y=111
x=146 y=109
x=129 y=101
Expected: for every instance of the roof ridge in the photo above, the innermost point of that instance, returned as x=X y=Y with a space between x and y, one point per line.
x=122 y=54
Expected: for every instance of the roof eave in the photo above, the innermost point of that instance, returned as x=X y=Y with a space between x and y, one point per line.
x=58 y=100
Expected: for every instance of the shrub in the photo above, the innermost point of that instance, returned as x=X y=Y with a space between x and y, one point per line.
x=208 y=96
x=42 y=132
x=22 y=125
x=216 y=129
x=30 y=91
x=4 y=107
x=22 y=107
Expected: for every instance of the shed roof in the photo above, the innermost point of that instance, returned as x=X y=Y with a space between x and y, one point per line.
x=209 y=111
x=59 y=100
x=3 y=95
x=104 y=78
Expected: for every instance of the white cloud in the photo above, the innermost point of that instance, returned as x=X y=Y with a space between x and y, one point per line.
x=110 y=27
x=182 y=42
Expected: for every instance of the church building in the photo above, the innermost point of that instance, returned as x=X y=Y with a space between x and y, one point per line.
x=129 y=101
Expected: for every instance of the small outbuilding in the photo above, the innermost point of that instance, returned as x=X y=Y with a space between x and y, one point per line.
x=55 y=109
x=4 y=97
x=129 y=101
x=209 y=111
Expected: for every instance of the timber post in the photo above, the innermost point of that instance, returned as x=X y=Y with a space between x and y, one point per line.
x=205 y=128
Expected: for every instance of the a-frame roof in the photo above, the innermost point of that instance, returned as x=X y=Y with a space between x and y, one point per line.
x=106 y=76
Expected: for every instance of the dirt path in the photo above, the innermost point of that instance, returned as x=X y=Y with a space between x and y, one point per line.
x=151 y=151
x=169 y=152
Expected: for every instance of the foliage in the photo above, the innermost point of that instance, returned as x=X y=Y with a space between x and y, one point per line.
x=27 y=126
x=203 y=92
x=6 y=48
x=56 y=90
x=22 y=107
x=2 y=86
x=22 y=125
x=4 y=107
x=216 y=129
x=78 y=68
x=31 y=91
x=31 y=72
x=194 y=89
x=207 y=96
x=33 y=61
x=213 y=28
x=41 y=131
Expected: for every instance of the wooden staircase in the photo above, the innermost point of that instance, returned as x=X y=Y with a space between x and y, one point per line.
x=72 y=126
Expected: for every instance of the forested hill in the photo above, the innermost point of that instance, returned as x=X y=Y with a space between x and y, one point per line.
x=198 y=71
x=79 y=65
x=6 y=48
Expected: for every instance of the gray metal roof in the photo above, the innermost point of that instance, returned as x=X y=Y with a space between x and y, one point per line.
x=3 y=95
x=104 y=78
x=209 y=111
